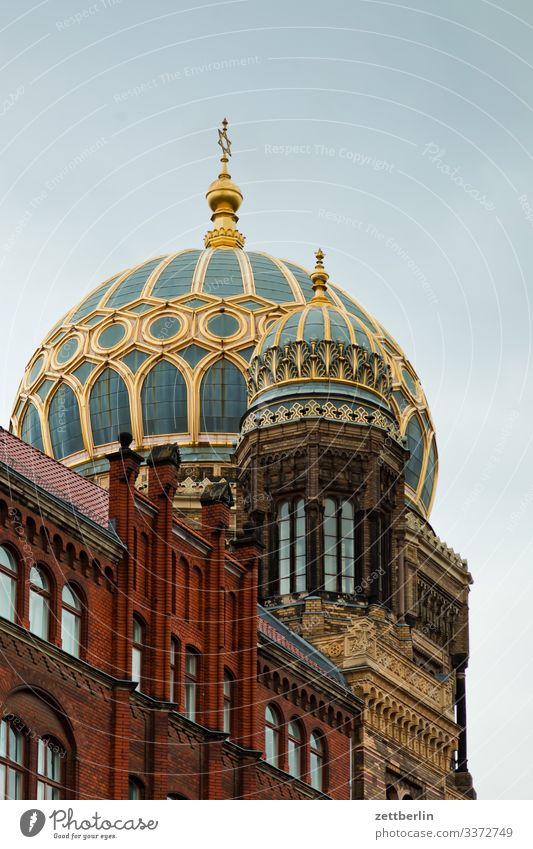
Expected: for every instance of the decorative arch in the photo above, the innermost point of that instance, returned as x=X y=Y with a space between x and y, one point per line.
x=64 y=422
x=109 y=407
x=223 y=397
x=164 y=400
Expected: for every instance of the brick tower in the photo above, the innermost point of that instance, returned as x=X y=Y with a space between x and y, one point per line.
x=347 y=565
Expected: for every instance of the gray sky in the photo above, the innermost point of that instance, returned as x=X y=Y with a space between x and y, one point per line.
x=413 y=171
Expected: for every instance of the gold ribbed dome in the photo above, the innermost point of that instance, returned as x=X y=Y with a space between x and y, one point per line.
x=162 y=350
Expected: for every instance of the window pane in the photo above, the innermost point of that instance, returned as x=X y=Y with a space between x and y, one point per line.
x=136 y=666
x=164 y=400
x=2 y=781
x=299 y=546
x=284 y=549
x=70 y=633
x=15 y=746
x=64 y=423
x=39 y=615
x=31 y=428
x=191 y=664
x=3 y=738
x=7 y=560
x=293 y=753
x=330 y=545
x=110 y=408
x=347 y=548
x=14 y=784
x=222 y=398
x=8 y=587
x=38 y=579
x=190 y=700
x=69 y=597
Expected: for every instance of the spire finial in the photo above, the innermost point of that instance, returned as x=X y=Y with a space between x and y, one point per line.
x=224 y=197
x=319 y=277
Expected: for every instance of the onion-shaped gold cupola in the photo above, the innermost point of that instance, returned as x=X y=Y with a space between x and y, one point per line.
x=319 y=351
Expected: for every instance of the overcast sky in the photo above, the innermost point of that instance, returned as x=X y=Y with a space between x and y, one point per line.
x=398 y=137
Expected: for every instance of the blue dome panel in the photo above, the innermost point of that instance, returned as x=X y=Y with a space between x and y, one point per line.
x=64 y=423
x=269 y=280
x=176 y=278
x=109 y=407
x=31 y=428
x=223 y=276
x=164 y=400
x=132 y=286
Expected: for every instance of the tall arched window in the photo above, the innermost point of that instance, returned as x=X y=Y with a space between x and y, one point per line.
x=291 y=546
x=39 y=603
x=295 y=748
x=64 y=423
x=11 y=761
x=272 y=736
x=50 y=770
x=137 y=652
x=70 y=621
x=229 y=701
x=339 y=546
x=30 y=430
x=192 y=670
x=8 y=584
x=164 y=400
x=110 y=407
x=316 y=761
x=222 y=398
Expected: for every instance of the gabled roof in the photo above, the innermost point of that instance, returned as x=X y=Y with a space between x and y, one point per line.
x=274 y=630
x=53 y=477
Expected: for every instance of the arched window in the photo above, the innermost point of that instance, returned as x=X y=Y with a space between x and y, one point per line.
x=39 y=603
x=50 y=769
x=380 y=556
x=222 y=398
x=164 y=400
x=316 y=761
x=415 y=445
x=110 y=407
x=137 y=652
x=229 y=701
x=30 y=430
x=174 y=669
x=339 y=546
x=135 y=788
x=8 y=584
x=272 y=736
x=291 y=547
x=11 y=761
x=192 y=669
x=64 y=423
x=295 y=748
x=70 y=621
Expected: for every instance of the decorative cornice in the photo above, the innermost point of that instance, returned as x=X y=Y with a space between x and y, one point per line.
x=338 y=412
x=319 y=360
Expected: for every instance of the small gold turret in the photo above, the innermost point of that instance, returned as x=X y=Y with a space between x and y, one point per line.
x=224 y=197
x=319 y=277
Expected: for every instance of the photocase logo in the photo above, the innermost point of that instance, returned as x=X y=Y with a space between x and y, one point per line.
x=32 y=822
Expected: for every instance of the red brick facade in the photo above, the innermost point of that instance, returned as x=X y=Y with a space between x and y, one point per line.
x=191 y=594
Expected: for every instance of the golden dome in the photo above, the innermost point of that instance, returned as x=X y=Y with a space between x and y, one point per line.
x=162 y=349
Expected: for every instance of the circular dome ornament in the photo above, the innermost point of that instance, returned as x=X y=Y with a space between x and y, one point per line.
x=165 y=327
x=223 y=325
x=68 y=350
x=111 y=335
